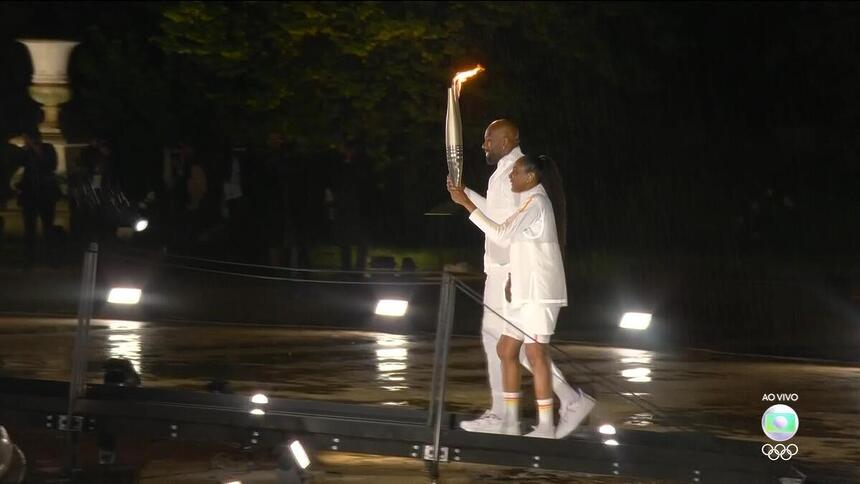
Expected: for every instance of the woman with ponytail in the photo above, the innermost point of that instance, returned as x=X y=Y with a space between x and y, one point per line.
x=535 y=291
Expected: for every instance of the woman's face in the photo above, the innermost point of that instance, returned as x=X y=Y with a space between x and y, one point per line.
x=521 y=179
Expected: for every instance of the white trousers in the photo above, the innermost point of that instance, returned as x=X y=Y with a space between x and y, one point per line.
x=492 y=328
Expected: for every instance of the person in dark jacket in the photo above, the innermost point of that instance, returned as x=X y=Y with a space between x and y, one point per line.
x=38 y=192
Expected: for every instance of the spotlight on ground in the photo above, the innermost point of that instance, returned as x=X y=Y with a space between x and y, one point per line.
x=260 y=399
x=141 y=224
x=611 y=442
x=292 y=462
x=391 y=307
x=607 y=429
x=299 y=454
x=258 y=411
x=124 y=295
x=638 y=321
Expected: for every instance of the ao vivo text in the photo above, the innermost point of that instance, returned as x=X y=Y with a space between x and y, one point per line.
x=779 y=397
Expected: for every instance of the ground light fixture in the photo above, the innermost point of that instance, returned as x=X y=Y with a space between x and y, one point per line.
x=292 y=462
x=392 y=307
x=124 y=295
x=259 y=399
x=141 y=224
x=299 y=454
x=637 y=321
x=607 y=429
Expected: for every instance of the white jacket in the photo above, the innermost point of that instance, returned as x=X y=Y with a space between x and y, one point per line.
x=498 y=206
x=536 y=267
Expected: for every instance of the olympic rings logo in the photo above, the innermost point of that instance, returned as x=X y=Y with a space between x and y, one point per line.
x=779 y=451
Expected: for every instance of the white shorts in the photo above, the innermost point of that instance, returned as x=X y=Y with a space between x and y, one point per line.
x=535 y=320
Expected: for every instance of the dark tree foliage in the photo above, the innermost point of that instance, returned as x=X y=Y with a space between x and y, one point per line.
x=677 y=125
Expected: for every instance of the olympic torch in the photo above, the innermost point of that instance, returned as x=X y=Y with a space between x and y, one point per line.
x=454 y=126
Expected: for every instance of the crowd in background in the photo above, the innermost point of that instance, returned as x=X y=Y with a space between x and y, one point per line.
x=263 y=204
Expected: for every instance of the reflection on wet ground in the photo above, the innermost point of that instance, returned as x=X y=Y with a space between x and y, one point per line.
x=716 y=393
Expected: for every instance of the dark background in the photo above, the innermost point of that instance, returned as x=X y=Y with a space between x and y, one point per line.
x=708 y=149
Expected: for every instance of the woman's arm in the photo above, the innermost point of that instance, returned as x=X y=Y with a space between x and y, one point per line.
x=525 y=216
x=476 y=198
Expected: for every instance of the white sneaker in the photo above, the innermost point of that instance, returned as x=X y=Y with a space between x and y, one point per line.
x=542 y=433
x=572 y=415
x=488 y=420
x=490 y=423
x=505 y=427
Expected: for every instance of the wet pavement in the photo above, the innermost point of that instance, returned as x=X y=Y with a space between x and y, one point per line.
x=708 y=392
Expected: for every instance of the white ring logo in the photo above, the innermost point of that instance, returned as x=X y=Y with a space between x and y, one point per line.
x=779 y=451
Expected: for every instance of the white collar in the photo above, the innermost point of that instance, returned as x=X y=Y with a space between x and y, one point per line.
x=535 y=190
x=509 y=159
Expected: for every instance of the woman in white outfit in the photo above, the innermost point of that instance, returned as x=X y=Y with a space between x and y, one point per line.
x=536 y=288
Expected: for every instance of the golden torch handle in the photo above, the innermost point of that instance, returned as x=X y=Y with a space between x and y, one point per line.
x=454 y=126
x=454 y=139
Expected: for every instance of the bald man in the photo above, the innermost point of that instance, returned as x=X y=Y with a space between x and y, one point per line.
x=502 y=148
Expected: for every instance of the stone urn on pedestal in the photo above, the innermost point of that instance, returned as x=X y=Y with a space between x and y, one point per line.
x=50 y=88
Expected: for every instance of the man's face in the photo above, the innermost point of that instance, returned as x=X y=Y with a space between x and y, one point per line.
x=495 y=145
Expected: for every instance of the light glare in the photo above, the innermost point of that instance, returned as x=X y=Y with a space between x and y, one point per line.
x=391 y=307
x=260 y=399
x=391 y=354
x=124 y=295
x=638 y=321
x=299 y=454
x=607 y=429
x=642 y=361
x=640 y=379
x=635 y=373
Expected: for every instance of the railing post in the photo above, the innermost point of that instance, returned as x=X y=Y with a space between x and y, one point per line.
x=77 y=380
x=445 y=323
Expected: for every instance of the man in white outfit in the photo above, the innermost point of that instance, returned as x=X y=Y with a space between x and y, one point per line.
x=502 y=148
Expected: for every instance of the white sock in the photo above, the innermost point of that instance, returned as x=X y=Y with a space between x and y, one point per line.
x=498 y=407
x=545 y=413
x=566 y=394
x=512 y=406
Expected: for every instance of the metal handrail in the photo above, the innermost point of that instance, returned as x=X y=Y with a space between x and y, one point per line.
x=77 y=381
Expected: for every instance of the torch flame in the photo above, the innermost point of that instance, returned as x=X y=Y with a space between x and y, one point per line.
x=464 y=76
